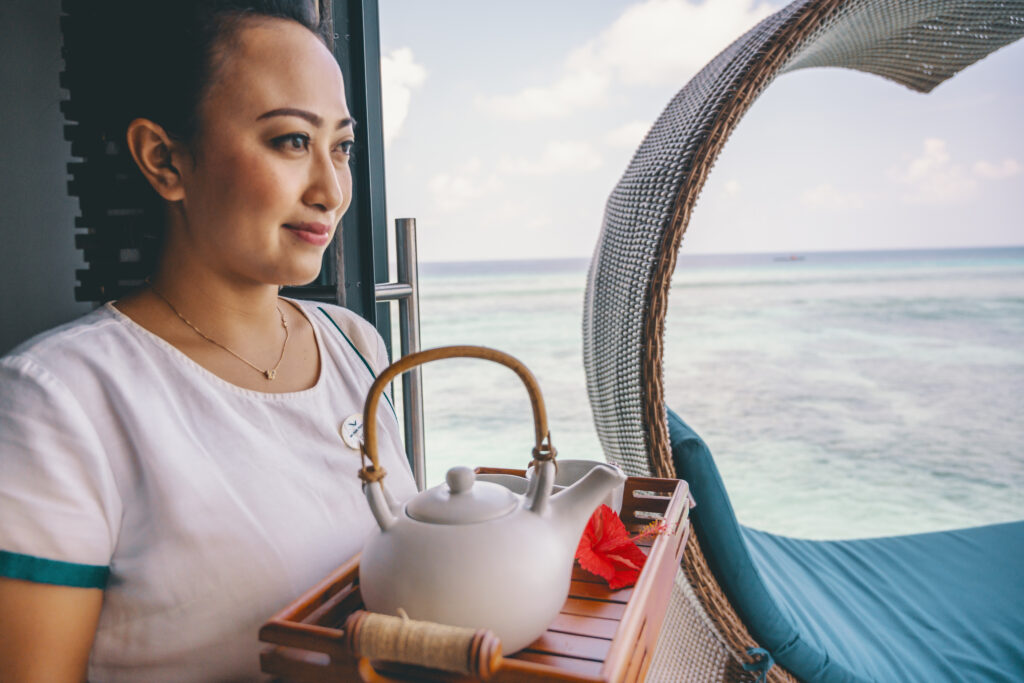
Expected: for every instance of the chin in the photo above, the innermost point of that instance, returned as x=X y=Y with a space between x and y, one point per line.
x=294 y=271
x=299 y=280
x=300 y=271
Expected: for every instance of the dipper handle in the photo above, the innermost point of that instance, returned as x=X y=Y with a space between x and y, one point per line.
x=371 y=636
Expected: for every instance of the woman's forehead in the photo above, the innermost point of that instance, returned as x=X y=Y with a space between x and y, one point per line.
x=276 y=63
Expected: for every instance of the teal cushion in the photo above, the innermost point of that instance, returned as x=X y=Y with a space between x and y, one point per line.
x=939 y=607
x=944 y=606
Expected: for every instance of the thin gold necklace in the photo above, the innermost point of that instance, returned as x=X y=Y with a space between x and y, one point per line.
x=269 y=373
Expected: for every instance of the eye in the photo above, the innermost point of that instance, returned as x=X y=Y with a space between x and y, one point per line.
x=345 y=147
x=296 y=142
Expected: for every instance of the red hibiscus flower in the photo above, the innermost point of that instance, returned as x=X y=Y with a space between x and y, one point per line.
x=607 y=550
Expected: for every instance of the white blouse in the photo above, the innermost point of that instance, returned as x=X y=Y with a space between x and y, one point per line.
x=200 y=507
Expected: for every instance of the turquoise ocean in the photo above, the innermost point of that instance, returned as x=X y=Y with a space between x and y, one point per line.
x=844 y=395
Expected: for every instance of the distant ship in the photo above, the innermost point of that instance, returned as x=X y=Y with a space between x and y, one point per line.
x=791 y=257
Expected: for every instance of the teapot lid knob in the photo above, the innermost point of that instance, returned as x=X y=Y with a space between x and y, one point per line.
x=460 y=479
x=463 y=501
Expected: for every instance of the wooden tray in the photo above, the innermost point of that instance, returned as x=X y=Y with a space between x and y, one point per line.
x=600 y=636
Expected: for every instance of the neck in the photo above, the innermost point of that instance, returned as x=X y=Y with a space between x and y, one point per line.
x=228 y=309
x=188 y=278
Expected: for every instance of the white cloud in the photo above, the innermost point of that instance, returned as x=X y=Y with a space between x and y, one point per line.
x=654 y=42
x=455 y=190
x=934 y=178
x=827 y=196
x=628 y=136
x=732 y=188
x=667 y=41
x=576 y=89
x=458 y=188
x=558 y=157
x=400 y=75
x=990 y=171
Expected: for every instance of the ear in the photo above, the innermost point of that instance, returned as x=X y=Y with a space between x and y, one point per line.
x=158 y=157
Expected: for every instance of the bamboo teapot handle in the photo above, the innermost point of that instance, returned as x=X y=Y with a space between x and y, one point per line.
x=542 y=451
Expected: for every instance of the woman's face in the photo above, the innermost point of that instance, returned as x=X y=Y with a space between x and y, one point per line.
x=270 y=179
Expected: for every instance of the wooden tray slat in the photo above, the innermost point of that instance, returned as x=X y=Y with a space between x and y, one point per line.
x=647 y=504
x=598 y=591
x=583 y=647
x=335 y=610
x=313 y=637
x=665 y=487
x=594 y=608
x=584 y=626
x=583 y=666
x=582 y=575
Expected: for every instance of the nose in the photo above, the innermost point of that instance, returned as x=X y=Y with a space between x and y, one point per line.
x=326 y=188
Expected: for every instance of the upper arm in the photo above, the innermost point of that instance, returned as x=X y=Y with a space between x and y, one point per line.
x=59 y=520
x=46 y=631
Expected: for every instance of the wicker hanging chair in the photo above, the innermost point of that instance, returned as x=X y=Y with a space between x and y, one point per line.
x=918 y=43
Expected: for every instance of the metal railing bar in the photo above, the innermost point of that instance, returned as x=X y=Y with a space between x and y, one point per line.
x=406 y=292
x=393 y=291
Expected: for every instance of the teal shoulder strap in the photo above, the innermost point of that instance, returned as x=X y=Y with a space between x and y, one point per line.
x=361 y=357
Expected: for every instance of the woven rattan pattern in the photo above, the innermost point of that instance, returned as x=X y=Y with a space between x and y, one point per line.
x=918 y=43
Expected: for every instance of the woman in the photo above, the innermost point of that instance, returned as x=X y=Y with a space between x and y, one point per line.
x=171 y=471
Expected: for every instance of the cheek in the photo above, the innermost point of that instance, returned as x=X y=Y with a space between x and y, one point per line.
x=239 y=181
x=345 y=180
x=256 y=182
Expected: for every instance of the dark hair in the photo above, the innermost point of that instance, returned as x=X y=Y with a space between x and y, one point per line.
x=154 y=59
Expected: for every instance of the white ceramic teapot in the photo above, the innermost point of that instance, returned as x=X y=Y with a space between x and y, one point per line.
x=473 y=553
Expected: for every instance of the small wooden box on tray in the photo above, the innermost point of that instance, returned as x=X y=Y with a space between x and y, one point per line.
x=600 y=635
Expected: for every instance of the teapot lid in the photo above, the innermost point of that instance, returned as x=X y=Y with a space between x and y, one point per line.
x=463 y=501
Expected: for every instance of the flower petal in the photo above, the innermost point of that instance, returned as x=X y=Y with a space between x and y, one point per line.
x=605 y=549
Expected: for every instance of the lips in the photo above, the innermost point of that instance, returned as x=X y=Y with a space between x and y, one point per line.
x=318 y=234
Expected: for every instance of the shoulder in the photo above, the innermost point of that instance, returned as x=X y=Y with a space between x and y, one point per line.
x=355 y=329
x=69 y=344
x=58 y=368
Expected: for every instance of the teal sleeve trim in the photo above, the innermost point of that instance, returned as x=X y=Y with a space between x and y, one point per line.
x=354 y=348
x=41 y=570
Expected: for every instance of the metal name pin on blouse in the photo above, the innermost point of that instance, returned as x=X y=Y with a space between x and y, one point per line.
x=351 y=431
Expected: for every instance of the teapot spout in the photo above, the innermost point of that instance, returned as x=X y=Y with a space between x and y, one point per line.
x=572 y=508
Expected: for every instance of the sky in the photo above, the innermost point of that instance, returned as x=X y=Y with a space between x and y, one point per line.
x=508 y=124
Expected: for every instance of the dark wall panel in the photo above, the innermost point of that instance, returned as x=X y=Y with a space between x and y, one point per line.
x=37 y=250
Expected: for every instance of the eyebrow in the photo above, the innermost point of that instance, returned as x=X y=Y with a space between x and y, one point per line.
x=303 y=114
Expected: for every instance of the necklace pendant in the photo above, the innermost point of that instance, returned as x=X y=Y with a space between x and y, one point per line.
x=271 y=374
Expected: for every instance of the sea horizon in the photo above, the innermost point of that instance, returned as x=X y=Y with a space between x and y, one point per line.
x=561 y=264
